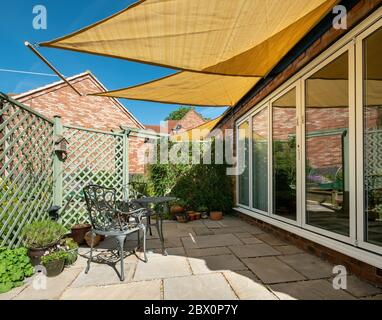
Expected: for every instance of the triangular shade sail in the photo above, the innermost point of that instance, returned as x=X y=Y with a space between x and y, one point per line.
x=190 y=88
x=240 y=37
x=198 y=133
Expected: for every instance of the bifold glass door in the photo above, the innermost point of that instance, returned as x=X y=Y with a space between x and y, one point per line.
x=243 y=163
x=327 y=147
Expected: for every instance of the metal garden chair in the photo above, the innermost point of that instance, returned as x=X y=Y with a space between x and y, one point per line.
x=109 y=219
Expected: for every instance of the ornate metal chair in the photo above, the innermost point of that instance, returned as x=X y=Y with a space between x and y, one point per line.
x=109 y=219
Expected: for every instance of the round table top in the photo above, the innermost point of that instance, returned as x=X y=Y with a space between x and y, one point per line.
x=154 y=200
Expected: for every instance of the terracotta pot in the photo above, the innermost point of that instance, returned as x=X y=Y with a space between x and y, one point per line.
x=176 y=209
x=216 y=215
x=198 y=215
x=192 y=216
x=79 y=231
x=54 y=268
x=182 y=218
x=36 y=254
x=88 y=239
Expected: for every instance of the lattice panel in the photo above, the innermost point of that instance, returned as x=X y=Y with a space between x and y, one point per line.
x=93 y=158
x=26 y=169
x=373 y=159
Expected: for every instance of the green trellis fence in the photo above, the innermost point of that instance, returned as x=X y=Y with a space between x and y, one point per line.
x=34 y=175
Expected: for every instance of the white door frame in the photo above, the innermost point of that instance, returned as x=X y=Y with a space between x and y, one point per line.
x=361 y=233
x=352 y=183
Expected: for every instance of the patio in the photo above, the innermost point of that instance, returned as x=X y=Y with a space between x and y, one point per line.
x=227 y=259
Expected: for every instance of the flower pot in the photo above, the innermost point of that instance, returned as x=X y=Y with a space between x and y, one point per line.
x=198 y=215
x=176 y=209
x=182 y=218
x=54 y=268
x=79 y=231
x=216 y=215
x=96 y=241
x=192 y=216
x=204 y=215
x=35 y=254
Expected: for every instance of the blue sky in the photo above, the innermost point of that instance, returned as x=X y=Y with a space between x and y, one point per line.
x=65 y=17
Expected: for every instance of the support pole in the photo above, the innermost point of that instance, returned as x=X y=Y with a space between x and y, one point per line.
x=57 y=166
x=125 y=166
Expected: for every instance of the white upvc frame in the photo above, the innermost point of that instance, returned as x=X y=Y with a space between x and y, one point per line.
x=285 y=91
x=351 y=246
x=349 y=48
x=362 y=230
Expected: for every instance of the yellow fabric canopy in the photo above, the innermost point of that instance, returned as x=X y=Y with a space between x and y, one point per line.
x=199 y=133
x=241 y=37
x=190 y=88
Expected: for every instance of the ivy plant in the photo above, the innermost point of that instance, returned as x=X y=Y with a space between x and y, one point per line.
x=15 y=266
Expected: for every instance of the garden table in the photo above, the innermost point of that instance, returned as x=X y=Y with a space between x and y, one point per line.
x=162 y=203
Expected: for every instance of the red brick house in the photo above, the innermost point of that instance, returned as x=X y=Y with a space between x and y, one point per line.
x=310 y=137
x=191 y=120
x=86 y=111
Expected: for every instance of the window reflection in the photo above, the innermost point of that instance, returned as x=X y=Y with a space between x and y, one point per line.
x=243 y=155
x=260 y=160
x=327 y=147
x=373 y=137
x=284 y=155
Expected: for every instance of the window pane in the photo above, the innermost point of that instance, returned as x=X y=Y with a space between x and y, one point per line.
x=260 y=160
x=243 y=155
x=284 y=155
x=372 y=112
x=327 y=147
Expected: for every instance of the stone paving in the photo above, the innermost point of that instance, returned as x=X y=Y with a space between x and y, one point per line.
x=226 y=260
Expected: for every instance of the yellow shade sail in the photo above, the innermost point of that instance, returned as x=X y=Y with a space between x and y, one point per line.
x=240 y=37
x=197 y=134
x=190 y=88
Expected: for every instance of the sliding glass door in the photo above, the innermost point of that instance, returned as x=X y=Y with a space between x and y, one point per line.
x=327 y=147
x=243 y=164
x=284 y=183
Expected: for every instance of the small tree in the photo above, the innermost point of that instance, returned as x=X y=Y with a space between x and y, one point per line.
x=179 y=113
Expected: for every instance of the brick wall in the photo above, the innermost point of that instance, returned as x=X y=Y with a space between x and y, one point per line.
x=86 y=111
x=190 y=121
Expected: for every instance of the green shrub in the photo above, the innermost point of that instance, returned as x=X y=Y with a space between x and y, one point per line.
x=198 y=185
x=15 y=266
x=41 y=234
x=71 y=248
x=54 y=256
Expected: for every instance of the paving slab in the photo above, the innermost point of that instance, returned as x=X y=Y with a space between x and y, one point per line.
x=271 y=239
x=218 y=240
x=162 y=267
x=247 y=288
x=12 y=293
x=202 y=231
x=251 y=240
x=211 y=224
x=271 y=270
x=377 y=297
x=243 y=235
x=228 y=222
x=226 y=230
x=145 y=290
x=220 y=263
x=289 y=249
x=254 y=250
x=54 y=286
x=252 y=229
x=309 y=290
x=202 y=287
x=103 y=274
x=207 y=252
x=360 y=289
x=170 y=252
x=310 y=266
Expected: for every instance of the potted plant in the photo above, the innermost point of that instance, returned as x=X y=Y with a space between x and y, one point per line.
x=54 y=262
x=216 y=215
x=179 y=207
x=79 y=230
x=96 y=240
x=203 y=211
x=40 y=236
x=71 y=248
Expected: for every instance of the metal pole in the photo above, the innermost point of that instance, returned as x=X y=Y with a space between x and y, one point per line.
x=38 y=54
x=125 y=169
x=57 y=166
